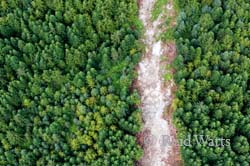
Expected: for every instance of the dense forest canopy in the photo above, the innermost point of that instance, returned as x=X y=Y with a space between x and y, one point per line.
x=66 y=69
x=213 y=71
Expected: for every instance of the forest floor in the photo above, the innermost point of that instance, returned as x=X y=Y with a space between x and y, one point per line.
x=158 y=136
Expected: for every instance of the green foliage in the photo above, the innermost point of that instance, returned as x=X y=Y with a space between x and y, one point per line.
x=167 y=35
x=167 y=76
x=213 y=69
x=158 y=7
x=66 y=68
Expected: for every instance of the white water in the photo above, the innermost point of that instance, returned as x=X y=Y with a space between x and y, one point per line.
x=154 y=97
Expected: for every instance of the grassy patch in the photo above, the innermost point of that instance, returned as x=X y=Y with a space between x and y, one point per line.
x=168 y=76
x=169 y=32
x=176 y=6
x=167 y=35
x=158 y=7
